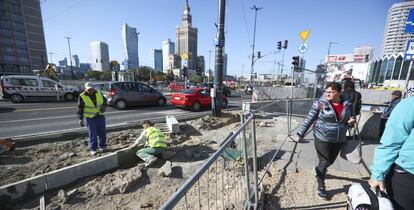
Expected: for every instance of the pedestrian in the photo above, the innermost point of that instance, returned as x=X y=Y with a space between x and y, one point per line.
x=392 y=167
x=92 y=105
x=395 y=99
x=353 y=96
x=333 y=118
x=155 y=143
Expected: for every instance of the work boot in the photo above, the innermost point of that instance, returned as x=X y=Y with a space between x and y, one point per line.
x=92 y=152
x=150 y=161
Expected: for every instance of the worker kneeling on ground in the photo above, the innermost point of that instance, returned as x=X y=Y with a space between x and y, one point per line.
x=155 y=143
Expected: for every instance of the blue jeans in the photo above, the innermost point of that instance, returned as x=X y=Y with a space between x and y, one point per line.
x=97 y=132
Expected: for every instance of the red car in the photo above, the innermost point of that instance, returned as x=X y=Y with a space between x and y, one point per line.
x=194 y=98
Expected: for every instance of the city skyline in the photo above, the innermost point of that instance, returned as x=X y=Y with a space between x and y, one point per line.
x=157 y=23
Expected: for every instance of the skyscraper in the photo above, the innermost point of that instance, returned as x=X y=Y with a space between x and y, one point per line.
x=394 y=37
x=100 y=56
x=130 y=47
x=187 y=39
x=168 y=48
x=76 y=59
x=158 y=60
x=22 y=39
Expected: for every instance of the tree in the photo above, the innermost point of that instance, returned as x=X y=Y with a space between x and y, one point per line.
x=95 y=75
x=195 y=79
x=170 y=75
x=158 y=76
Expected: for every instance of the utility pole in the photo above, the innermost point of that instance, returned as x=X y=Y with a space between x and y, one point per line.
x=51 y=53
x=254 y=40
x=70 y=58
x=138 y=49
x=209 y=68
x=218 y=72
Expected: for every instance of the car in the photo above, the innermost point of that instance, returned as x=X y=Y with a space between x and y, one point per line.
x=195 y=99
x=121 y=95
x=19 y=88
x=179 y=86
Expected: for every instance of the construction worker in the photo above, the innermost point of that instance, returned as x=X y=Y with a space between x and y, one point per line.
x=92 y=105
x=155 y=143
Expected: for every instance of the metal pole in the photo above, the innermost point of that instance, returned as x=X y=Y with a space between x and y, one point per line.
x=254 y=40
x=209 y=68
x=315 y=87
x=408 y=78
x=138 y=49
x=218 y=73
x=70 y=57
x=246 y=165
x=256 y=192
x=283 y=61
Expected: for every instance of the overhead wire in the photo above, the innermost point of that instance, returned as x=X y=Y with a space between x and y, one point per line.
x=63 y=11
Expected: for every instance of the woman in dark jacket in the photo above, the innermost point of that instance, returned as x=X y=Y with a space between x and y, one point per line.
x=333 y=118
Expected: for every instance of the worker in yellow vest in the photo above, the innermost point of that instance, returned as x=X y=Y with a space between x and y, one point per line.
x=92 y=105
x=155 y=143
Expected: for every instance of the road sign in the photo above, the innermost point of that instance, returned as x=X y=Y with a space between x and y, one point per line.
x=409 y=24
x=303 y=48
x=185 y=55
x=409 y=51
x=304 y=35
x=185 y=62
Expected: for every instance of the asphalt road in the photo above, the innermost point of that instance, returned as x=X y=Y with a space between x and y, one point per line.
x=36 y=118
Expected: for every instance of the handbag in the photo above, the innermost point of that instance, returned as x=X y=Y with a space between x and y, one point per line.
x=351 y=149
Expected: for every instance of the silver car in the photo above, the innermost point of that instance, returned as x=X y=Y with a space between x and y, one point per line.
x=120 y=95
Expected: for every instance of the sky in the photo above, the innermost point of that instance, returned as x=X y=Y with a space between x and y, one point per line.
x=349 y=23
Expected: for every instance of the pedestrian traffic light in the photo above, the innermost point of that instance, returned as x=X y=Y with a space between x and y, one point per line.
x=295 y=63
x=259 y=55
x=285 y=44
x=185 y=71
x=279 y=45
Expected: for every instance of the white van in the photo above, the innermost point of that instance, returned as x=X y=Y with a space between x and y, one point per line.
x=18 y=88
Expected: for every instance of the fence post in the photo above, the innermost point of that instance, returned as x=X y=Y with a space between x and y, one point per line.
x=288 y=116
x=256 y=187
x=246 y=165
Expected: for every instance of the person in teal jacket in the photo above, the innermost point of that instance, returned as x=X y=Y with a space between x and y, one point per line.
x=393 y=164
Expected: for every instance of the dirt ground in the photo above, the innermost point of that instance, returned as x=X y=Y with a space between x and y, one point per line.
x=147 y=190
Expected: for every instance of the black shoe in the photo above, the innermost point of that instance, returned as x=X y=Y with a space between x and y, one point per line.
x=322 y=193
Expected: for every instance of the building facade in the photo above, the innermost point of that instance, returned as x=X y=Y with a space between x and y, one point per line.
x=158 y=60
x=186 y=42
x=100 y=56
x=76 y=59
x=130 y=47
x=22 y=39
x=394 y=37
x=168 y=49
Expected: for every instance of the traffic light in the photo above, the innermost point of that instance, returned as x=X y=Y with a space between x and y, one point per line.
x=255 y=75
x=295 y=61
x=259 y=55
x=185 y=71
x=285 y=44
x=279 y=45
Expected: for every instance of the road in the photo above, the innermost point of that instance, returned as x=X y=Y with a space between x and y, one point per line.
x=32 y=118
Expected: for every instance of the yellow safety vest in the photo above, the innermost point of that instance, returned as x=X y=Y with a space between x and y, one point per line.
x=90 y=110
x=156 y=138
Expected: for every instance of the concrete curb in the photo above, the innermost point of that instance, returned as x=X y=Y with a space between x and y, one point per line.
x=40 y=184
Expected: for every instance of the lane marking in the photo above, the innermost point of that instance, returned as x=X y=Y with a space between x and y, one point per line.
x=46 y=109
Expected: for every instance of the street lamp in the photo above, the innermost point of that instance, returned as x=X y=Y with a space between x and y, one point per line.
x=329 y=49
x=254 y=39
x=70 y=57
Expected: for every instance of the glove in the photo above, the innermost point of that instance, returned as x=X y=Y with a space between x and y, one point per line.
x=102 y=109
x=81 y=123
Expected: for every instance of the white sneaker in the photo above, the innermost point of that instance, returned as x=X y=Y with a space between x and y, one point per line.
x=92 y=153
x=150 y=161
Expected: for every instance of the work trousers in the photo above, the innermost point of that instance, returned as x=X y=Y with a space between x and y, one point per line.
x=400 y=188
x=147 y=153
x=327 y=153
x=97 y=132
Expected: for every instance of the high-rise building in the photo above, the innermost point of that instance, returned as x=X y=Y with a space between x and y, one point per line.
x=100 y=56
x=130 y=47
x=63 y=63
x=187 y=39
x=201 y=66
x=394 y=37
x=22 y=39
x=158 y=60
x=76 y=59
x=168 y=48
x=84 y=67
